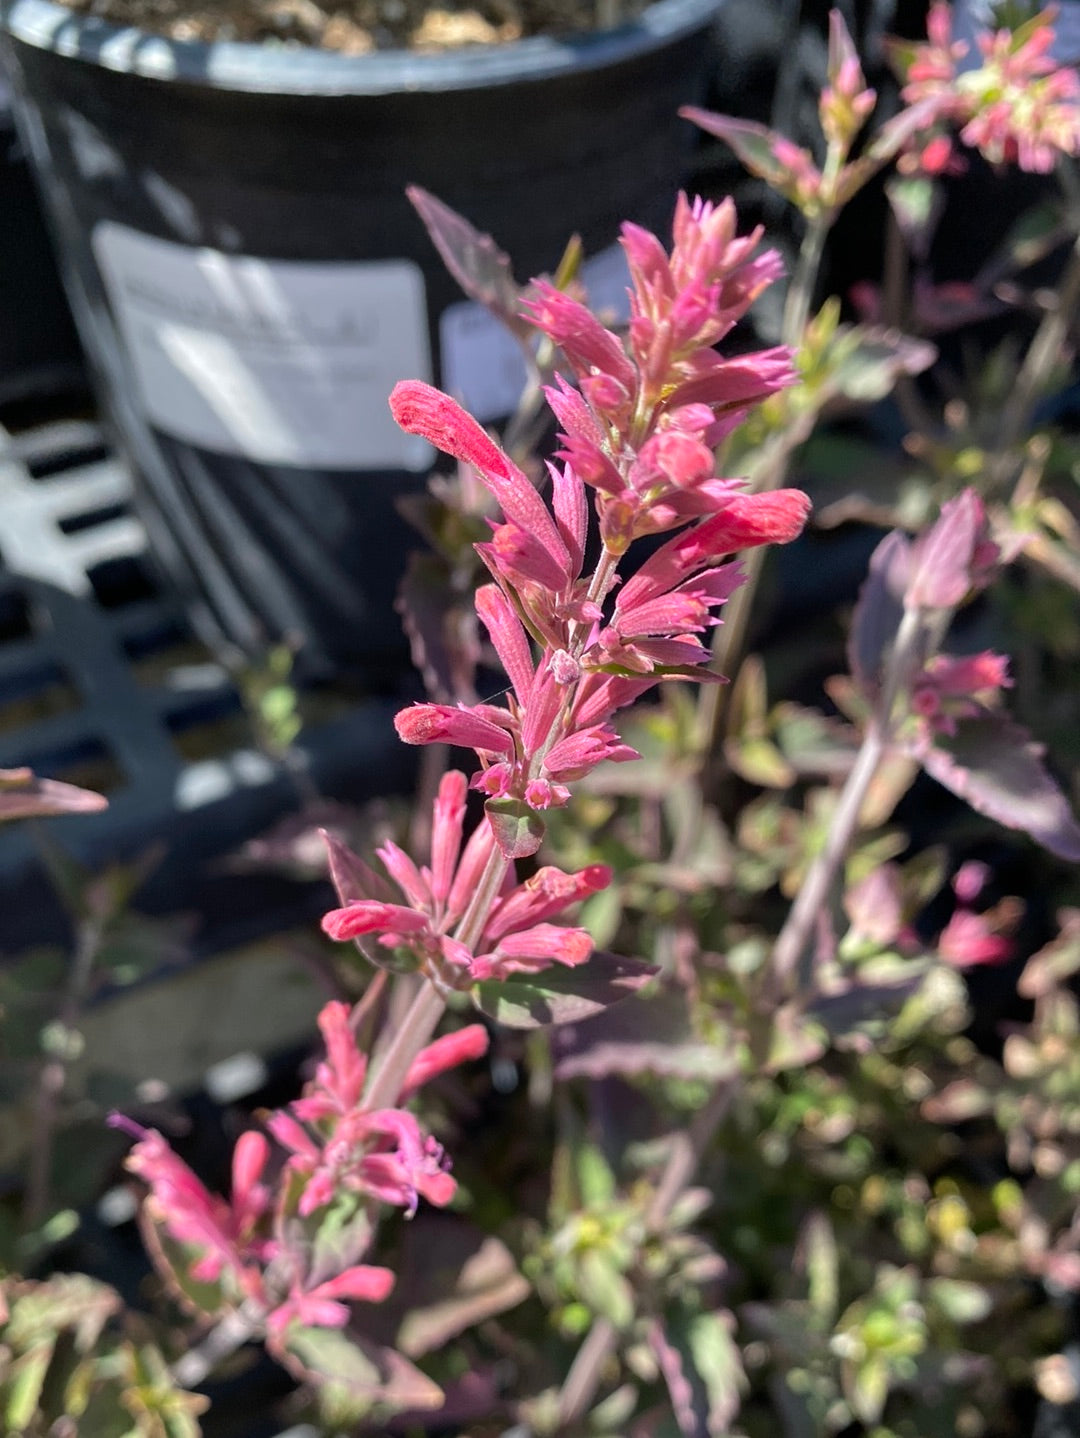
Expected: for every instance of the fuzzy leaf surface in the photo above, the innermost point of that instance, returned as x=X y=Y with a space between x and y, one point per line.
x=562 y=995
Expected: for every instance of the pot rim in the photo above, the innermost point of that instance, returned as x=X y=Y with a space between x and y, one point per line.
x=285 y=70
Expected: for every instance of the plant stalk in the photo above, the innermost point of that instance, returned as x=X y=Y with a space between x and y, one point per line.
x=795 y=936
x=54 y=1075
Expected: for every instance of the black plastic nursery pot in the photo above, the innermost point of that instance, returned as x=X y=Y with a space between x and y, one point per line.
x=250 y=279
x=39 y=349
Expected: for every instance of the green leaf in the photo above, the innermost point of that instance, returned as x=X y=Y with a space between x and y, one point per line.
x=605 y=1290
x=354 y=1374
x=561 y=995
x=22 y=1390
x=718 y=1361
x=959 y=1301
x=518 y=830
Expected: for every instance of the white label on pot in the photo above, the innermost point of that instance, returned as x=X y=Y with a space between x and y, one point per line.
x=482 y=364
x=279 y=361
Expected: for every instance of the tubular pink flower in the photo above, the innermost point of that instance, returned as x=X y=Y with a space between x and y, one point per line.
x=220 y=1232
x=368 y=917
x=342 y=1075
x=546 y=894
x=462 y=1046
x=446 y=830
x=571 y=513
x=508 y=636
x=579 y=753
x=405 y=874
x=474 y=861
x=543 y=944
x=443 y=724
x=421 y=409
x=580 y=335
x=319 y=1307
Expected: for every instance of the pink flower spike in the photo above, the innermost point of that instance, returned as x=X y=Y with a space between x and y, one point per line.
x=446 y=831
x=421 y=409
x=372 y=918
x=448 y=1052
x=444 y=724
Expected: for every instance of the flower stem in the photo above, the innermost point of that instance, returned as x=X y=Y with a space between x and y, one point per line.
x=429 y=1005
x=795 y=936
x=386 y=1081
x=800 y=293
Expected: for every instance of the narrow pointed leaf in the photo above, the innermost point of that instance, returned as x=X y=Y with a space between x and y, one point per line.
x=474 y=259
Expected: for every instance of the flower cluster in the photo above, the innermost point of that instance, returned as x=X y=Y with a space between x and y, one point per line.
x=338 y=1144
x=1019 y=106
x=638 y=428
x=335 y=1145
x=950 y=688
x=516 y=936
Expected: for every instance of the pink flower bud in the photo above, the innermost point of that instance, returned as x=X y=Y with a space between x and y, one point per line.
x=443 y=724
x=368 y=917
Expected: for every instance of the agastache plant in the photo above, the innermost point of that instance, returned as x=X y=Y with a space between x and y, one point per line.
x=640 y=417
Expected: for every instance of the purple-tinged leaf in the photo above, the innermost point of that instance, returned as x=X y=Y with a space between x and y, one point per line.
x=174 y=1262
x=562 y=995
x=875 y=359
x=653 y=1036
x=482 y=270
x=1056 y=962
x=993 y=765
x=875 y=905
x=879 y=610
x=24 y=796
x=959 y=1102
x=441 y=628
x=353 y=879
x=783 y=165
x=943 y=559
x=843 y=1011
x=360 y=1372
x=451 y=1277
x=519 y=830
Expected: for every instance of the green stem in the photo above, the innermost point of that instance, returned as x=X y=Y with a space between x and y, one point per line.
x=800 y=295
